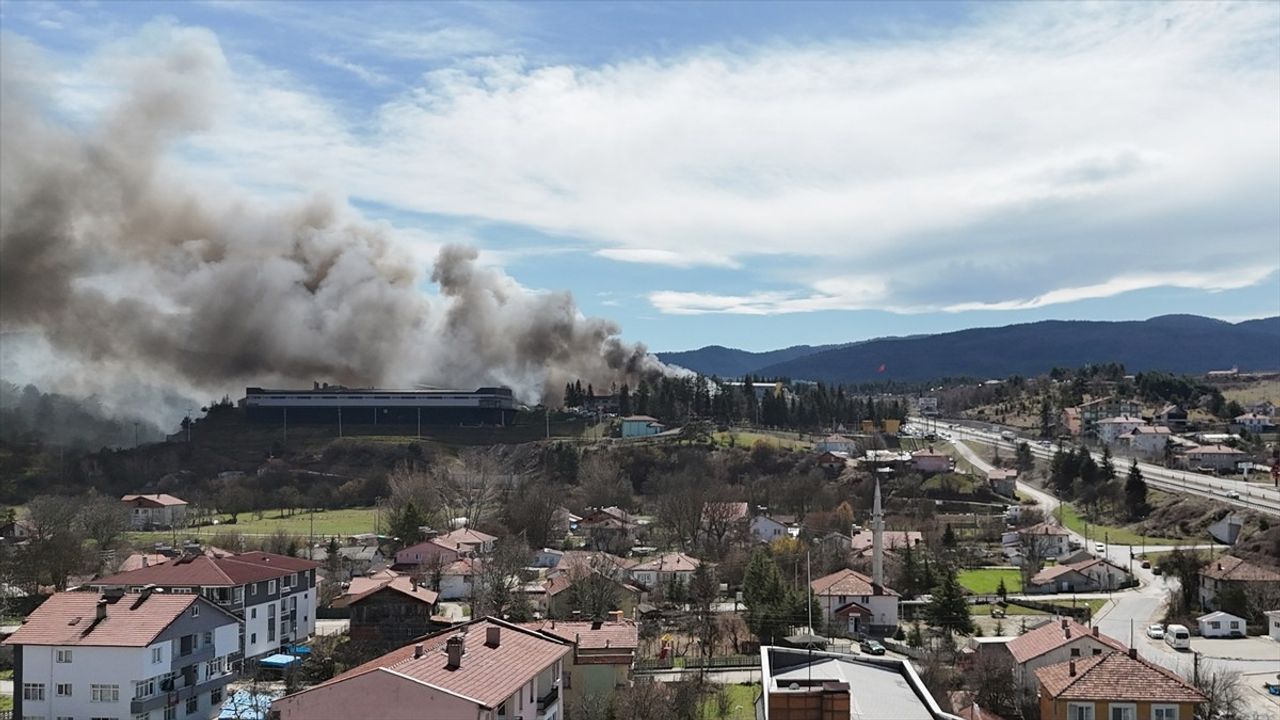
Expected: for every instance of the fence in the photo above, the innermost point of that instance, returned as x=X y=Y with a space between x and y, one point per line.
x=655 y=663
x=723 y=661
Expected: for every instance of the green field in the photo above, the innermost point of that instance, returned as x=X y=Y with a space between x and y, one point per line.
x=349 y=521
x=742 y=703
x=745 y=439
x=984 y=581
x=1108 y=533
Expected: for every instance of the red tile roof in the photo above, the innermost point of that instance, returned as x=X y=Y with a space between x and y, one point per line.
x=486 y=675
x=619 y=634
x=669 y=562
x=203 y=570
x=1229 y=567
x=364 y=587
x=154 y=500
x=1048 y=574
x=465 y=536
x=847 y=582
x=68 y=618
x=1044 y=528
x=1115 y=676
x=1053 y=635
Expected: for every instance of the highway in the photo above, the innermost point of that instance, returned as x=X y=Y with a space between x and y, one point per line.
x=1260 y=498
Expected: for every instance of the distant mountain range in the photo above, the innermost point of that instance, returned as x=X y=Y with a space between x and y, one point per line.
x=1175 y=343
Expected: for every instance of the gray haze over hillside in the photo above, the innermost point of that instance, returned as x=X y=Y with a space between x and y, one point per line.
x=121 y=274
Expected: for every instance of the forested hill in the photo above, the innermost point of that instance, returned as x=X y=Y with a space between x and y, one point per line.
x=1174 y=343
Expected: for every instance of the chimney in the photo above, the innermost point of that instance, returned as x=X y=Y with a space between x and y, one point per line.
x=417 y=651
x=455 y=646
x=1072 y=669
x=615 y=616
x=1095 y=631
x=493 y=636
x=1064 y=623
x=100 y=613
x=577 y=614
x=597 y=624
x=1133 y=653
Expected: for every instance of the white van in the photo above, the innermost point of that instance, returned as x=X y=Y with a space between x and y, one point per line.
x=1178 y=637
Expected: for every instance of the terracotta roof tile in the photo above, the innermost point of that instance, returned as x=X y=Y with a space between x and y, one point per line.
x=364 y=587
x=847 y=582
x=203 y=570
x=1229 y=567
x=1053 y=635
x=1115 y=676
x=68 y=618
x=155 y=499
x=619 y=634
x=1044 y=528
x=669 y=562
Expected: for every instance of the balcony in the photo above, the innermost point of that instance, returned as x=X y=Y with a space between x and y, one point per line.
x=181 y=692
x=204 y=653
x=549 y=701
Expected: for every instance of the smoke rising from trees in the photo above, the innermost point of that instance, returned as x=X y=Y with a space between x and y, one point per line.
x=127 y=270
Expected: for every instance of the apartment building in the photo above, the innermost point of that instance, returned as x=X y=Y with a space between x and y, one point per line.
x=149 y=655
x=157 y=510
x=487 y=669
x=274 y=595
x=1052 y=643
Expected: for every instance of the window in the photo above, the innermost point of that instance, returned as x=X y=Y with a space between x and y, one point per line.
x=271 y=622
x=568 y=680
x=62 y=656
x=171 y=713
x=104 y=693
x=62 y=690
x=1079 y=711
x=253 y=589
x=1215 y=624
x=1123 y=712
x=271 y=587
x=253 y=638
x=1097 y=651
x=1075 y=652
x=208 y=638
x=253 y=613
x=1164 y=712
x=144 y=688
x=142 y=716
x=33 y=691
x=215 y=697
x=195 y=611
x=193 y=704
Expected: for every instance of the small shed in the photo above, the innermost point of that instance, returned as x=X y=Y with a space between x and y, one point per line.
x=1221 y=624
x=1273 y=624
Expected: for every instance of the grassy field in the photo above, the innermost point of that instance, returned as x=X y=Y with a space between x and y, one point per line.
x=1115 y=535
x=984 y=581
x=349 y=521
x=742 y=703
x=745 y=439
x=1254 y=392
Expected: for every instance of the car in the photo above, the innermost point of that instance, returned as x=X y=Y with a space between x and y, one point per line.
x=1099 y=548
x=1156 y=632
x=872 y=647
x=1146 y=564
x=1157 y=570
x=1233 y=494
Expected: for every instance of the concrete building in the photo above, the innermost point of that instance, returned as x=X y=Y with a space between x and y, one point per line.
x=836 y=444
x=1272 y=618
x=641 y=426
x=817 y=685
x=1053 y=643
x=930 y=462
x=1110 y=429
x=485 y=669
x=658 y=571
x=603 y=656
x=333 y=405
x=859 y=604
x=1091 y=412
x=1092 y=575
x=1047 y=540
x=767 y=528
x=155 y=511
x=1229 y=570
x=1003 y=481
x=274 y=595
x=1221 y=624
x=1217 y=458
x=1172 y=416
x=147 y=656
x=1253 y=422
x=1146 y=441
x=1114 y=686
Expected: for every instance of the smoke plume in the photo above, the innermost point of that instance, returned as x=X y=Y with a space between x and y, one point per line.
x=127 y=270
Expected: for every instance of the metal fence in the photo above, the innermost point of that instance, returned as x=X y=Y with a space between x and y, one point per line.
x=723 y=661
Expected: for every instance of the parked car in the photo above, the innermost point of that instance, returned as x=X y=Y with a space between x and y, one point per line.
x=1157 y=570
x=1146 y=564
x=1099 y=548
x=1156 y=632
x=1178 y=637
x=872 y=647
x=1233 y=494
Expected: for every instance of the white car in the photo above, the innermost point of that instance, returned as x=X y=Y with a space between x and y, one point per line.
x=1233 y=494
x=1156 y=632
x=1099 y=548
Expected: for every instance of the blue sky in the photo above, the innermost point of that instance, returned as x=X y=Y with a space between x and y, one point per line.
x=749 y=174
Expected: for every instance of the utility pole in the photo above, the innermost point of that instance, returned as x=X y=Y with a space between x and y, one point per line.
x=135 y=433
x=546 y=415
x=286 y=424
x=190 y=421
x=419 y=423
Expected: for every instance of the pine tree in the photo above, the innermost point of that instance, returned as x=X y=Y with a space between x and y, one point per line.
x=404 y=525
x=1002 y=591
x=1108 y=465
x=948 y=537
x=1135 y=492
x=948 y=609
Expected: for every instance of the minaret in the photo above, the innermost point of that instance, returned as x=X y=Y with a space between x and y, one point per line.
x=877 y=541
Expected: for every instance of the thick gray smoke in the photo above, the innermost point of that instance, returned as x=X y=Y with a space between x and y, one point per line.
x=127 y=270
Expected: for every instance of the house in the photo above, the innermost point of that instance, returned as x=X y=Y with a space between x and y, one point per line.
x=721 y=519
x=353 y=560
x=1003 y=481
x=487 y=668
x=1218 y=458
x=660 y=571
x=559 y=602
x=819 y=685
x=426 y=554
x=1053 y=643
x=273 y=595
x=1221 y=624
x=1116 y=685
x=1273 y=624
x=607 y=529
x=467 y=542
x=1229 y=570
x=454 y=581
x=767 y=528
x=1253 y=422
x=861 y=543
x=931 y=461
x=887 y=460
x=1069 y=422
x=1110 y=429
x=1148 y=441
x=1091 y=575
x=640 y=426
x=964 y=707
x=836 y=444
x=389 y=608
x=155 y=511
x=145 y=655
x=604 y=654
x=854 y=602
x=1046 y=540
x=834 y=461
x=17 y=531
x=1172 y=416
x=1107 y=407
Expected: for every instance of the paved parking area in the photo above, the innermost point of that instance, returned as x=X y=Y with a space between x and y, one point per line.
x=1251 y=648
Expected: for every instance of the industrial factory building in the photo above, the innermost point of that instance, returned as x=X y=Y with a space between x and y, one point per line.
x=334 y=405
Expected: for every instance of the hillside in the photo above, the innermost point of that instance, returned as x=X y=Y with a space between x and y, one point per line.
x=1174 y=343
x=731 y=362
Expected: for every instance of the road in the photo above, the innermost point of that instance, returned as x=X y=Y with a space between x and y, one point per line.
x=1130 y=612
x=1255 y=497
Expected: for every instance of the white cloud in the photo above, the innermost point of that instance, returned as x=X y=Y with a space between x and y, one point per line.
x=368 y=75
x=653 y=256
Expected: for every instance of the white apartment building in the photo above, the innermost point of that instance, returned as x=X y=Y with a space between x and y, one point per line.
x=150 y=655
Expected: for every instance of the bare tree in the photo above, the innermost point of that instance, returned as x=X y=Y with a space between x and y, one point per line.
x=102 y=519
x=721 y=520
x=497 y=590
x=593 y=589
x=990 y=678
x=601 y=482
x=680 y=500
x=531 y=508
x=55 y=550
x=1222 y=690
